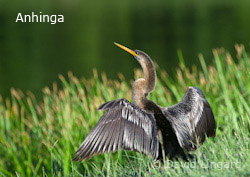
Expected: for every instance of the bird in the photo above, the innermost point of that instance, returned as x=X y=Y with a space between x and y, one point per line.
x=143 y=126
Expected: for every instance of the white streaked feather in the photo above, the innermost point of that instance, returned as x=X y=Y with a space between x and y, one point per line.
x=135 y=130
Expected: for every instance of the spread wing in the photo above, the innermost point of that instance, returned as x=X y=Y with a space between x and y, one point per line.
x=123 y=125
x=192 y=119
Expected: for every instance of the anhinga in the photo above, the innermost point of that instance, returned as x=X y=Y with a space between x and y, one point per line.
x=135 y=126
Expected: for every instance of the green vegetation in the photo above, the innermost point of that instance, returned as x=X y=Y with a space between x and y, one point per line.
x=40 y=138
x=32 y=54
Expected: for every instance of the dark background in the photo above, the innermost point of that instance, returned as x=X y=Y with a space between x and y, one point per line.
x=33 y=54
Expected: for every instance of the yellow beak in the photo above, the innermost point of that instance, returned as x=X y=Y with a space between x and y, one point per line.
x=126 y=49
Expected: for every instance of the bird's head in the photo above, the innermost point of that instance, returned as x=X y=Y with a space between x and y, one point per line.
x=140 y=56
x=148 y=68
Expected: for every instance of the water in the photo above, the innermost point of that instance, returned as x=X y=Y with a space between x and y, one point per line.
x=33 y=54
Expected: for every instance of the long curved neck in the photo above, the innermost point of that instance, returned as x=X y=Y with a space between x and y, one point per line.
x=149 y=75
x=143 y=86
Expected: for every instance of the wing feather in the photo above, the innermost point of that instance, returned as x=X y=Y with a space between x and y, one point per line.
x=192 y=119
x=123 y=125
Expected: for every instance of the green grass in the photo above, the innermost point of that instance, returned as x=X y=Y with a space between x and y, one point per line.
x=40 y=138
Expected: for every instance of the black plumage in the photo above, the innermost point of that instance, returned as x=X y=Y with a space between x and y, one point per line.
x=123 y=125
x=135 y=126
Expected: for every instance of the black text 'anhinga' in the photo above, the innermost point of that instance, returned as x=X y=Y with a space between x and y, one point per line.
x=135 y=126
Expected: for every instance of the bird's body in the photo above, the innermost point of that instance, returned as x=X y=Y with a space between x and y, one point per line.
x=135 y=126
